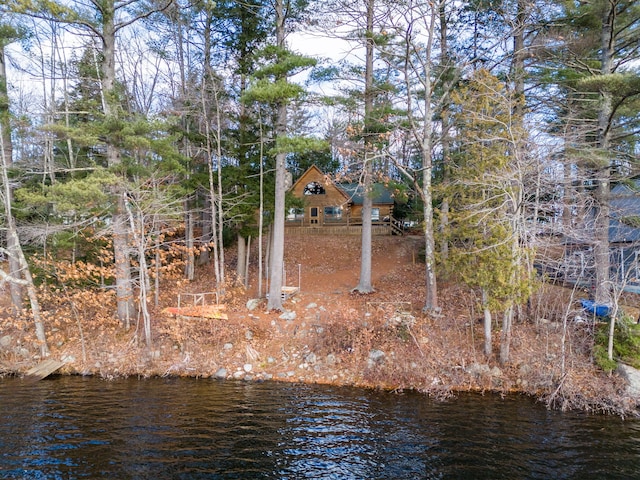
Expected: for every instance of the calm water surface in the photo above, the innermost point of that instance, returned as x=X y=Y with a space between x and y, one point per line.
x=73 y=427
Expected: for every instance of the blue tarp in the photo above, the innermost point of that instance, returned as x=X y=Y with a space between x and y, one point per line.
x=592 y=307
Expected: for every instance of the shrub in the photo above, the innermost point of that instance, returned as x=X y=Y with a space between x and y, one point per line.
x=626 y=344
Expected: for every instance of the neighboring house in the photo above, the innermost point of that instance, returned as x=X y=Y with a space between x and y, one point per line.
x=624 y=241
x=624 y=235
x=331 y=207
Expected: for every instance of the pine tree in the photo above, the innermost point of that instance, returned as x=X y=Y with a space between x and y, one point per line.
x=271 y=87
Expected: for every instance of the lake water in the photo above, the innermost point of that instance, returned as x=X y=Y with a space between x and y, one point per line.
x=75 y=427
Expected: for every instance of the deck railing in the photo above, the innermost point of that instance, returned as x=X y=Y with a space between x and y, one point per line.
x=344 y=227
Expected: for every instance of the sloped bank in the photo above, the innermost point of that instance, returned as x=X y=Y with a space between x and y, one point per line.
x=311 y=343
x=328 y=335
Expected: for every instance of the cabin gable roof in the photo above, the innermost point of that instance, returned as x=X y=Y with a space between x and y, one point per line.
x=312 y=176
x=351 y=193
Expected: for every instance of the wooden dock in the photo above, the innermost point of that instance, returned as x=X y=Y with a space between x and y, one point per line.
x=43 y=369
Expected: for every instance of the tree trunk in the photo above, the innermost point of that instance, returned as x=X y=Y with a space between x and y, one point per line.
x=601 y=226
x=431 y=290
x=15 y=289
x=22 y=274
x=216 y=235
x=219 y=224
x=139 y=238
x=241 y=260
x=505 y=340
x=124 y=290
x=445 y=56
x=277 y=251
x=189 y=267
x=365 y=285
x=247 y=262
x=568 y=200
x=488 y=348
x=277 y=248
x=261 y=220
x=431 y=294
x=517 y=62
x=31 y=293
x=267 y=256
x=215 y=176
x=7 y=154
x=612 y=330
x=203 y=252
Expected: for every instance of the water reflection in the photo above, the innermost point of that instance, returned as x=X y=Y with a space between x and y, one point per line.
x=181 y=428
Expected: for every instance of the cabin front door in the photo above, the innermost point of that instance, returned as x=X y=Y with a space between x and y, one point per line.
x=313 y=215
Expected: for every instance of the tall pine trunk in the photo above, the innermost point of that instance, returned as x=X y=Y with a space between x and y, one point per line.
x=124 y=288
x=601 y=247
x=277 y=250
x=205 y=239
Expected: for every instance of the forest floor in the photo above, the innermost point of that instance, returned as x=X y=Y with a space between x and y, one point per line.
x=378 y=340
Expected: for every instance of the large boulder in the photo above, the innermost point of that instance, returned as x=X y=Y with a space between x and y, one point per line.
x=288 y=315
x=376 y=357
x=632 y=376
x=6 y=341
x=253 y=303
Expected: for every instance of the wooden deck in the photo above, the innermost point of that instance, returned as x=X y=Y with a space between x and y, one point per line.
x=198 y=311
x=376 y=230
x=199 y=305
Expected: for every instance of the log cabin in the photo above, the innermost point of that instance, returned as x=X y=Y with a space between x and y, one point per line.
x=336 y=208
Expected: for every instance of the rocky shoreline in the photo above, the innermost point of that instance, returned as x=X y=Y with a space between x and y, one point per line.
x=327 y=335
x=308 y=344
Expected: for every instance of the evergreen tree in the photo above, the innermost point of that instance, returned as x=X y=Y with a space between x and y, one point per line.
x=487 y=206
x=271 y=87
x=103 y=22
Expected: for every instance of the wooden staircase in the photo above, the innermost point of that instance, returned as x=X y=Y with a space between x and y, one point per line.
x=397 y=228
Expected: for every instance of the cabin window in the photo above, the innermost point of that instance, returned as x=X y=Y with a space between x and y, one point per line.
x=375 y=214
x=295 y=214
x=314 y=188
x=332 y=214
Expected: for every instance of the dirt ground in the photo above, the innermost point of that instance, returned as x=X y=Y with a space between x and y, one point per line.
x=327 y=334
x=327 y=268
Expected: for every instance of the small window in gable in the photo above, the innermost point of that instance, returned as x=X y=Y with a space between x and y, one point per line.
x=314 y=188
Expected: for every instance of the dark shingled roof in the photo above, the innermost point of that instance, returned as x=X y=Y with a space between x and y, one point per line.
x=381 y=194
x=625 y=203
